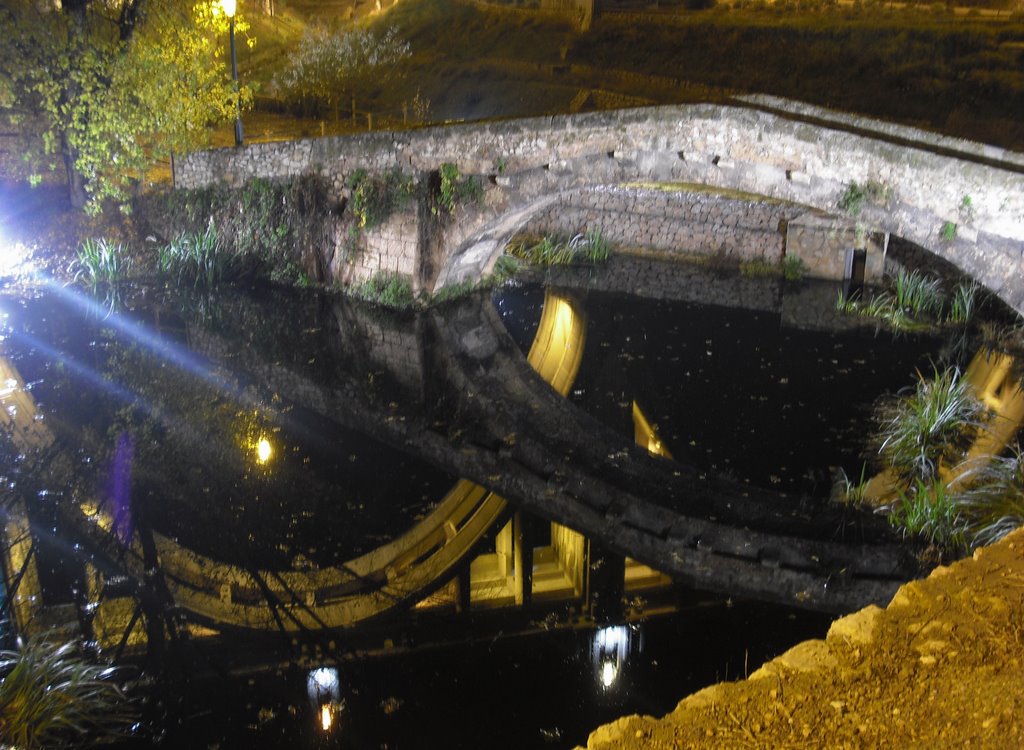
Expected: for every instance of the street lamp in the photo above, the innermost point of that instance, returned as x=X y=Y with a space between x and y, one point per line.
x=229 y=7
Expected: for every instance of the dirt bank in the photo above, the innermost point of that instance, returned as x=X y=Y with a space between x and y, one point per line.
x=942 y=666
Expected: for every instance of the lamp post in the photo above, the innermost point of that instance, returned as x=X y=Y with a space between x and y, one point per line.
x=229 y=7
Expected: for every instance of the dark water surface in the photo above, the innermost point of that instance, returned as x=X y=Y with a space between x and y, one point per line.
x=160 y=408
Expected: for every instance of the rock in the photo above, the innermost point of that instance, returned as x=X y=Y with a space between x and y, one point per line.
x=856 y=629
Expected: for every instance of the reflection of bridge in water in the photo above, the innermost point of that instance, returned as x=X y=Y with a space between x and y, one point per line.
x=407 y=571
x=516 y=439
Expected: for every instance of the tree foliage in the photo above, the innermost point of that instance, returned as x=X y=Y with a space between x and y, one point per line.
x=103 y=88
x=330 y=66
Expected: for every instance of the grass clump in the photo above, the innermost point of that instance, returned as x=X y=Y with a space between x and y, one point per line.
x=505 y=267
x=845 y=491
x=198 y=259
x=963 y=303
x=915 y=299
x=548 y=251
x=948 y=231
x=790 y=268
x=916 y=294
x=100 y=262
x=934 y=423
x=930 y=511
x=793 y=268
x=50 y=696
x=993 y=501
x=388 y=290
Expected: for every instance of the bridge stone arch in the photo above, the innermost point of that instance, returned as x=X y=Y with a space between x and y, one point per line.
x=756 y=146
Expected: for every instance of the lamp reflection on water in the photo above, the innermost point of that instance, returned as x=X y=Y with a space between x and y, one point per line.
x=264 y=450
x=611 y=650
x=324 y=690
x=13 y=258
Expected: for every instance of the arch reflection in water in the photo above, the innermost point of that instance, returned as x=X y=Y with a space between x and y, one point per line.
x=222 y=593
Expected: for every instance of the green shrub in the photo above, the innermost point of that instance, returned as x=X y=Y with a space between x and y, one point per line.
x=505 y=267
x=100 y=262
x=852 y=199
x=454 y=291
x=967 y=209
x=389 y=290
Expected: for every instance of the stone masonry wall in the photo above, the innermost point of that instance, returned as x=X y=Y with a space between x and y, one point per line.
x=674 y=222
x=391 y=248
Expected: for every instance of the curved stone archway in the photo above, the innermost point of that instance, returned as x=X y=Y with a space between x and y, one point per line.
x=962 y=201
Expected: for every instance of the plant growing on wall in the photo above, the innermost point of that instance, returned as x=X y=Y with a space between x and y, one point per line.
x=376 y=197
x=853 y=198
x=274 y=229
x=455 y=189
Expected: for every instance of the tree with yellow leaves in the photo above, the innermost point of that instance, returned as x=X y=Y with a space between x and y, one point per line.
x=101 y=89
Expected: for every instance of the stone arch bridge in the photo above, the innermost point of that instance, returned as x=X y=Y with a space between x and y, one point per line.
x=730 y=179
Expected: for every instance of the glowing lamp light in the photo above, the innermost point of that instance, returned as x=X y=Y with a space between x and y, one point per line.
x=326 y=717
x=264 y=450
x=229 y=7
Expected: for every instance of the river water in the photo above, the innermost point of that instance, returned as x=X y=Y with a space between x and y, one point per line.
x=264 y=435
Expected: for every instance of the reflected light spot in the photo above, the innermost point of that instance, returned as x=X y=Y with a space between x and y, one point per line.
x=13 y=257
x=608 y=673
x=326 y=717
x=263 y=450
